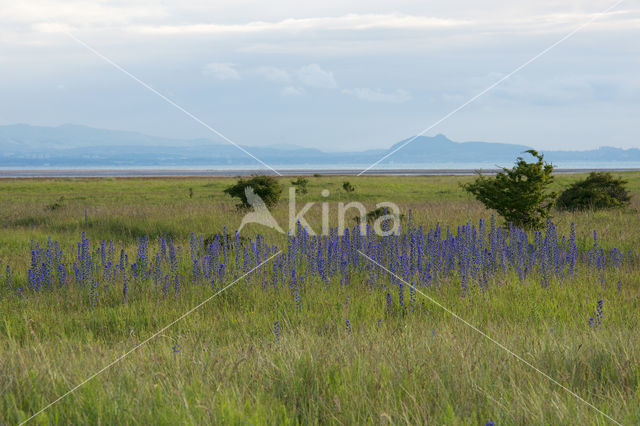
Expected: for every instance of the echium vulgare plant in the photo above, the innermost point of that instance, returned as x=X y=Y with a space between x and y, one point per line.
x=597 y=321
x=276 y=331
x=482 y=253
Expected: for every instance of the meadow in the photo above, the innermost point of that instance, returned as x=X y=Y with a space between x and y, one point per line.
x=319 y=333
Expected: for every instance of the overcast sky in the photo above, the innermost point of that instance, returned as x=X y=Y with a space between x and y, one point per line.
x=335 y=75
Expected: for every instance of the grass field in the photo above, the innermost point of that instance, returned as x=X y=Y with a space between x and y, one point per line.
x=353 y=347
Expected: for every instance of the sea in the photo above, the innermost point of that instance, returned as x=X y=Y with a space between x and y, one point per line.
x=417 y=169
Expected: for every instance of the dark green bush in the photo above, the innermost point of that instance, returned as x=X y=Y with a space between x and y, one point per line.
x=301 y=184
x=374 y=214
x=348 y=187
x=55 y=206
x=518 y=194
x=599 y=190
x=266 y=187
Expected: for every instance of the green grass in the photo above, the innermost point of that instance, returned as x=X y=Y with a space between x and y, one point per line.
x=422 y=366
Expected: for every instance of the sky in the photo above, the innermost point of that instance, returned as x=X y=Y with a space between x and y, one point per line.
x=334 y=75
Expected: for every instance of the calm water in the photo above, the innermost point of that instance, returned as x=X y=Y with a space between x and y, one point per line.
x=289 y=169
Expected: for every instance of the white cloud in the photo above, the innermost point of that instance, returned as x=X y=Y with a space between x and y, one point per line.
x=515 y=23
x=221 y=71
x=377 y=95
x=274 y=74
x=292 y=91
x=314 y=75
x=351 y=21
x=204 y=17
x=326 y=29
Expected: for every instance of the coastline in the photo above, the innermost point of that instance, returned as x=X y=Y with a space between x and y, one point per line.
x=168 y=173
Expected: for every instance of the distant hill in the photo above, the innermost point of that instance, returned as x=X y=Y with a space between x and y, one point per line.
x=69 y=145
x=439 y=148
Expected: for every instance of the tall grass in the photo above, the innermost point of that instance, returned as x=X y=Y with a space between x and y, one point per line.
x=224 y=364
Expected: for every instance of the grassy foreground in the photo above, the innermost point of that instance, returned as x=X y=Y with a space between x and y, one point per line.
x=225 y=363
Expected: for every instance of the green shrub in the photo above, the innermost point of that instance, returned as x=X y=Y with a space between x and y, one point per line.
x=266 y=187
x=301 y=184
x=55 y=206
x=598 y=191
x=348 y=187
x=373 y=215
x=518 y=194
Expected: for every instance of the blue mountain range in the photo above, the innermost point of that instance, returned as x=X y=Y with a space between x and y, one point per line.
x=69 y=145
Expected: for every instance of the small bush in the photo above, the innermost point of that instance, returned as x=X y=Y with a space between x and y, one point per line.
x=266 y=187
x=301 y=185
x=348 y=187
x=53 y=207
x=598 y=191
x=56 y=205
x=374 y=214
x=518 y=194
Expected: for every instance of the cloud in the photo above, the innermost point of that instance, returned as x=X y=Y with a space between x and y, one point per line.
x=377 y=95
x=315 y=76
x=420 y=28
x=351 y=21
x=292 y=91
x=517 y=23
x=221 y=71
x=274 y=74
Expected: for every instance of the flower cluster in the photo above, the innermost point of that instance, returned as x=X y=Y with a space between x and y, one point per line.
x=470 y=256
x=597 y=321
x=276 y=330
